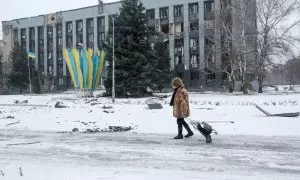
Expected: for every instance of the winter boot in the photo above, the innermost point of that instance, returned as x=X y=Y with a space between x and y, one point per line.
x=187 y=127
x=179 y=136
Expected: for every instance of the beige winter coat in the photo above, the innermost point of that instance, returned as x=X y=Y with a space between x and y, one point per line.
x=181 y=108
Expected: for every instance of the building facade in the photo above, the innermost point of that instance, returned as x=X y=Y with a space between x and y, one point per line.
x=184 y=25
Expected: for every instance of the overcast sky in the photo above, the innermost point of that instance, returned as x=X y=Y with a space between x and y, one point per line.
x=14 y=9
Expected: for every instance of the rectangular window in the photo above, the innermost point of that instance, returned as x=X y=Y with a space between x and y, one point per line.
x=164 y=13
x=178 y=27
x=208 y=6
x=90 y=23
x=101 y=21
x=194 y=26
x=50 y=30
x=194 y=59
x=101 y=36
x=41 y=32
x=69 y=27
x=31 y=33
x=194 y=42
x=150 y=13
x=59 y=41
x=79 y=25
x=178 y=11
x=23 y=34
x=59 y=29
x=91 y=38
x=194 y=8
x=209 y=24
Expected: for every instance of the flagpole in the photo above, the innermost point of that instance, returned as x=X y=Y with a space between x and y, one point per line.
x=29 y=75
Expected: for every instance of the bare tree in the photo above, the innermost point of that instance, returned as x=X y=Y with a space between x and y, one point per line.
x=274 y=33
x=292 y=72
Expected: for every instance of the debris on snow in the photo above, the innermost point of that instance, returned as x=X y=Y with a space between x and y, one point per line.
x=13 y=123
x=60 y=105
x=107 y=107
x=75 y=130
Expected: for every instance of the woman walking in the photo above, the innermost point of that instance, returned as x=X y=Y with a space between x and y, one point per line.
x=181 y=109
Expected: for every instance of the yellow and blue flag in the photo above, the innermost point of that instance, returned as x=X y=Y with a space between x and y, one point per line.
x=31 y=55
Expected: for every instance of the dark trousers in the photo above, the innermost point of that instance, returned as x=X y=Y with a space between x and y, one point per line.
x=181 y=122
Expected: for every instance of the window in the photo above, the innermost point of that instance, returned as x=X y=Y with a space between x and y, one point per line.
x=59 y=29
x=41 y=43
x=61 y=81
x=69 y=27
x=194 y=42
x=69 y=42
x=90 y=23
x=101 y=21
x=41 y=32
x=194 y=59
x=195 y=75
x=194 y=26
x=178 y=11
x=23 y=34
x=194 y=8
x=150 y=13
x=91 y=38
x=101 y=36
x=79 y=39
x=59 y=41
x=41 y=56
x=50 y=30
x=178 y=27
x=79 y=25
x=165 y=28
x=164 y=13
x=209 y=24
x=178 y=60
x=31 y=33
x=208 y=6
x=209 y=42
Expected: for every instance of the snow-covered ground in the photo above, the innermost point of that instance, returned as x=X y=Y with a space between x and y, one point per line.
x=135 y=113
x=253 y=147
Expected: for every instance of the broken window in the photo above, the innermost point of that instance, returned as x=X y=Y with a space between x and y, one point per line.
x=165 y=28
x=164 y=13
x=178 y=11
x=194 y=8
x=194 y=26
